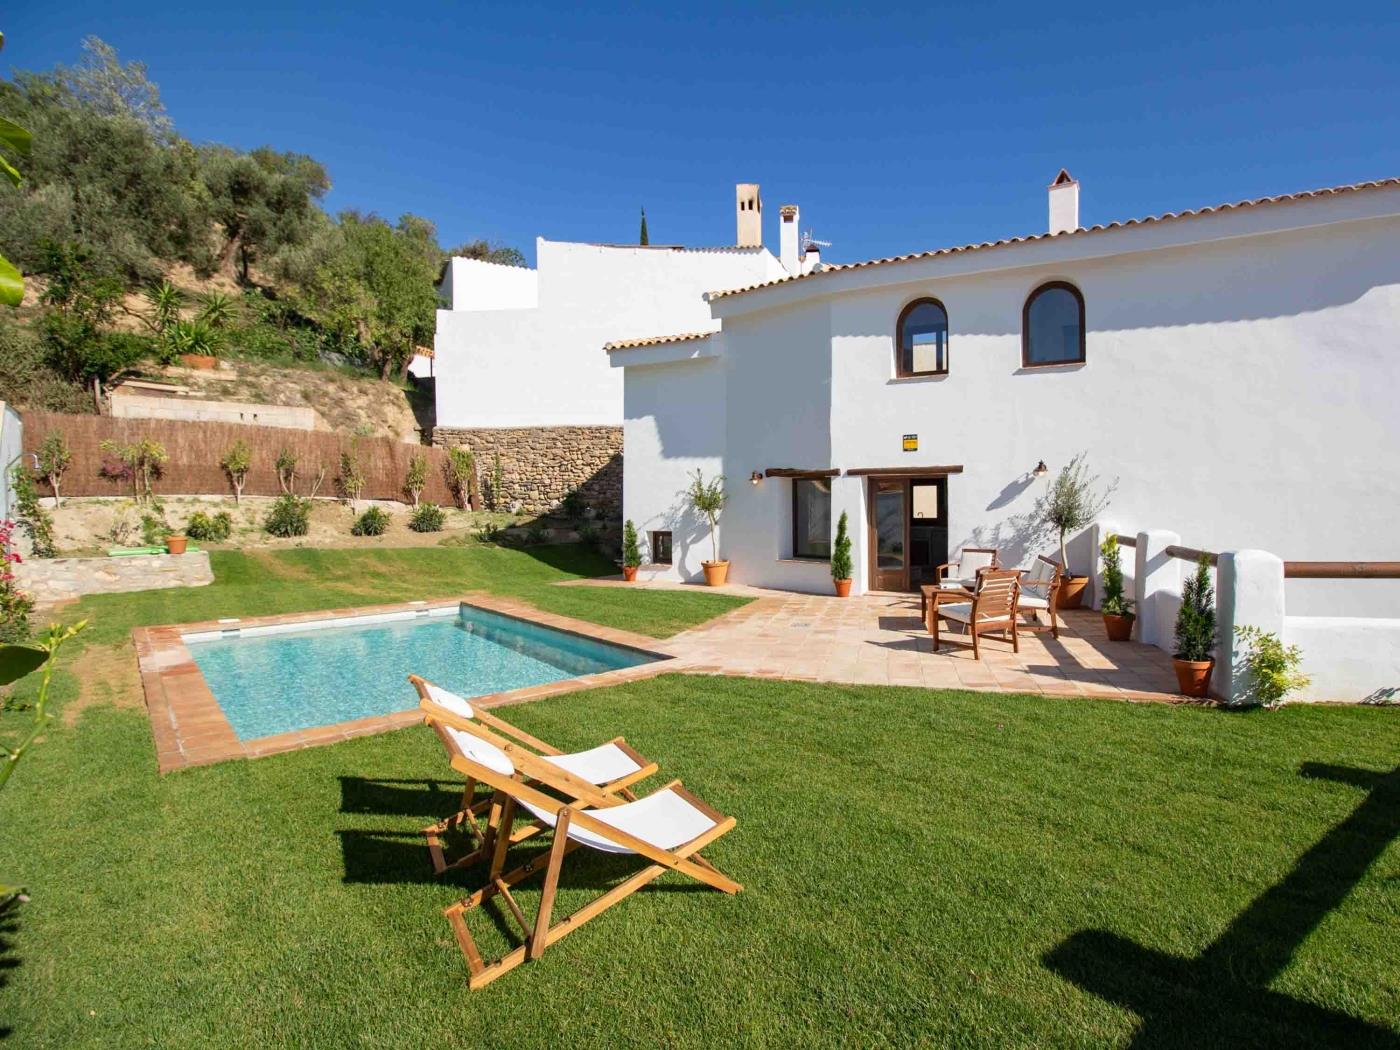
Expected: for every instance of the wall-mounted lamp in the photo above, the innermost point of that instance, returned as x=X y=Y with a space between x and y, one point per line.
x=1040 y=469
x=755 y=478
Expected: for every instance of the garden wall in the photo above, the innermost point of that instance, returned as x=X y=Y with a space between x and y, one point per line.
x=540 y=465
x=196 y=448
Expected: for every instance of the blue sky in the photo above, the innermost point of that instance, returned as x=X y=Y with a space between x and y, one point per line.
x=895 y=130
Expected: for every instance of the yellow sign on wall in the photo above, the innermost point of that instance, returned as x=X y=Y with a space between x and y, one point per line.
x=911 y=442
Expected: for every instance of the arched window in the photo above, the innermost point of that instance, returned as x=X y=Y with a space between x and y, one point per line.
x=1052 y=326
x=922 y=339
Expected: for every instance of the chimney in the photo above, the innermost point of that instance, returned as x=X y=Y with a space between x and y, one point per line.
x=748 y=207
x=1064 y=203
x=789 y=252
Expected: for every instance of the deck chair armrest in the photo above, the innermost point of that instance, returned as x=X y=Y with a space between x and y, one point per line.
x=505 y=728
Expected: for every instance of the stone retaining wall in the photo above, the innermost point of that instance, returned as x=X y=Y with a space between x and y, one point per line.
x=58 y=579
x=539 y=465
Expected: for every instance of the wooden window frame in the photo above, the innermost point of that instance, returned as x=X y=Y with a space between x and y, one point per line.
x=806 y=557
x=670 y=544
x=909 y=307
x=1035 y=292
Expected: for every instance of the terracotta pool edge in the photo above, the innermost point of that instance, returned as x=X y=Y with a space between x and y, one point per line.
x=188 y=728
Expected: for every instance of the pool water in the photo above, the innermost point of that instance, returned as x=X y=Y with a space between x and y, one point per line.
x=280 y=678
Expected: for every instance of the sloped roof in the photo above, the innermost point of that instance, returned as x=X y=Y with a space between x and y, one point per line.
x=829 y=268
x=655 y=340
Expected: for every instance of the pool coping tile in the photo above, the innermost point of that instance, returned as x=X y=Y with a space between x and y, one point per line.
x=189 y=728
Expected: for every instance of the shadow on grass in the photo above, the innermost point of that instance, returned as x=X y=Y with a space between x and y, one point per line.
x=9 y=961
x=1221 y=997
x=407 y=797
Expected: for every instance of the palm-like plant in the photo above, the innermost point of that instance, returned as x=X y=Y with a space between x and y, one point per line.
x=217 y=309
x=194 y=337
x=166 y=301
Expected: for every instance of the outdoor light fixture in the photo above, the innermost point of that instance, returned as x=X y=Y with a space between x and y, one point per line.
x=755 y=478
x=1040 y=469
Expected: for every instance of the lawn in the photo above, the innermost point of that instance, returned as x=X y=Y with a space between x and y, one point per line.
x=966 y=869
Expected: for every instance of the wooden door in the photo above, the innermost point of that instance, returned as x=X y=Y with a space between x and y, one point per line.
x=889 y=534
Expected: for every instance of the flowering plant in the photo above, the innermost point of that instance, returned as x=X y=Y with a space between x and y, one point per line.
x=15 y=604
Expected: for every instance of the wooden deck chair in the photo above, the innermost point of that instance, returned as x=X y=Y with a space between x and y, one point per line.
x=1040 y=589
x=963 y=573
x=612 y=767
x=669 y=827
x=991 y=611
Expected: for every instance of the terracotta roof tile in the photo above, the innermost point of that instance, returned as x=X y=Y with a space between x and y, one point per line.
x=1123 y=224
x=655 y=340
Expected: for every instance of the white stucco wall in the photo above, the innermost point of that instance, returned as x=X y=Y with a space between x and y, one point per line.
x=541 y=363
x=474 y=284
x=1239 y=384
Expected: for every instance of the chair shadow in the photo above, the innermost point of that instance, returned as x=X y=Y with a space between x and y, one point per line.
x=9 y=960
x=414 y=797
x=1221 y=997
x=900 y=623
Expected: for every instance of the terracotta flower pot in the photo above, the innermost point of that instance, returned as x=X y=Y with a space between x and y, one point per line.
x=716 y=572
x=1119 y=628
x=629 y=573
x=176 y=544
x=203 y=362
x=1071 y=592
x=843 y=588
x=1193 y=676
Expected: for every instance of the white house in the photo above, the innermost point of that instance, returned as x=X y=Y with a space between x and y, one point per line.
x=1234 y=368
x=517 y=358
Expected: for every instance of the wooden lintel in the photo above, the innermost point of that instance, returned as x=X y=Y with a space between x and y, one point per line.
x=903 y=472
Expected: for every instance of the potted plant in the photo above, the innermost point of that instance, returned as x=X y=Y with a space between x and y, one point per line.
x=1117 y=610
x=1195 y=633
x=841 y=559
x=1070 y=504
x=707 y=498
x=176 y=542
x=631 y=553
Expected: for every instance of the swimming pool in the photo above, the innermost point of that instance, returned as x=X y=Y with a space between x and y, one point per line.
x=281 y=677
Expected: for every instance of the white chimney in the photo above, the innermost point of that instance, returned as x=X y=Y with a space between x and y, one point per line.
x=790 y=252
x=748 y=208
x=1064 y=203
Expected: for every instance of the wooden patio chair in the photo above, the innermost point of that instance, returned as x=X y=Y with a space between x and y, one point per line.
x=1040 y=587
x=991 y=611
x=612 y=768
x=669 y=827
x=962 y=574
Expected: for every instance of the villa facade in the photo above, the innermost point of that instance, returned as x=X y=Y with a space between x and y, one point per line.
x=1233 y=368
x=516 y=362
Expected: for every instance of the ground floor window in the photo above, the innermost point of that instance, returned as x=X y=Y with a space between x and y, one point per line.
x=661 y=548
x=811 y=518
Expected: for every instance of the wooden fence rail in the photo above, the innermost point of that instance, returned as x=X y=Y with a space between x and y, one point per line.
x=1297 y=570
x=196 y=448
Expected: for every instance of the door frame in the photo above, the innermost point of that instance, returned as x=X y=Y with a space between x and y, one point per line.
x=873 y=539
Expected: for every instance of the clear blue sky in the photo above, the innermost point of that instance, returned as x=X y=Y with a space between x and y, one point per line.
x=894 y=130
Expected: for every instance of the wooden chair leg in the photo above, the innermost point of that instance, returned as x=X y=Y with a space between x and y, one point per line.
x=976 y=653
x=1015 y=643
x=551 y=885
x=502 y=838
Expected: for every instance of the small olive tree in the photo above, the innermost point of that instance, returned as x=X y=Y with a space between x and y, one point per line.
x=54 y=458
x=461 y=474
x=287 y=471
x=236 y=463
x=707 y=498
x=144 y=459
x=416 y=477
x=1072 y=502
x=351 y=479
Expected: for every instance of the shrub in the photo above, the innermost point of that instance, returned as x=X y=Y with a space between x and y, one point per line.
x=236 y=463
x=490 y=532
x=841 y=551
x=573 y=505
x=536 y=534
x=15 y=604
x=373 y=522
x=289 y=516
x=416 y=478
x=631 y=552
x=461 y=474
x=427 y=517
x=1113 y=604
x=351 y=480
x=154 y=529
x=32 y=517
x=497 y=483
x=590 y=534
x=54 y=457
x=1195 y=620
x=209 y=528
x=1273 y=667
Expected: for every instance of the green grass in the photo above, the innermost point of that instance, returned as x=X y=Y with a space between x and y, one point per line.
x=943 y=869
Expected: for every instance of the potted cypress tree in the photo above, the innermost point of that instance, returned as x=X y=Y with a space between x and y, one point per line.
x=631 y=553
x=841 y=559
x=1117 y=610
x=1070 y=504
x=1195 y=633
x=707 y=498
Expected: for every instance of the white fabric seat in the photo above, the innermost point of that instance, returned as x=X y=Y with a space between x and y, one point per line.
x=664 y=820
x=1030 y=601
x=962 y=613
x=600 y=765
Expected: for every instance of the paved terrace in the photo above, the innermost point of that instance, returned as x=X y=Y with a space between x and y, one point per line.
x=880 y=640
